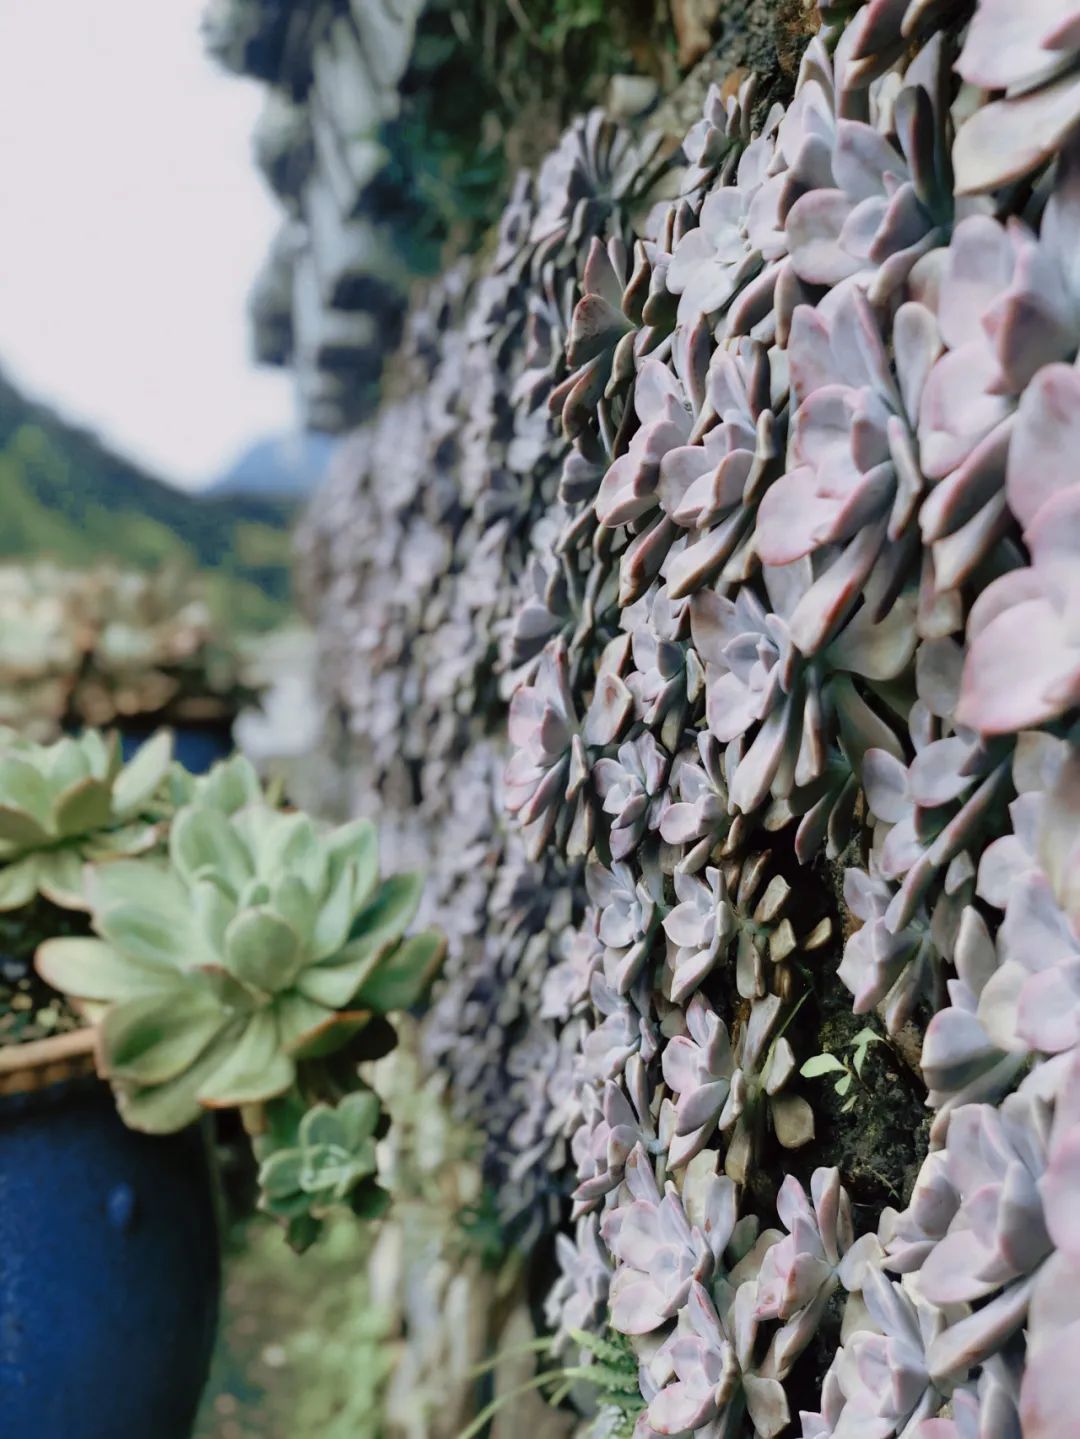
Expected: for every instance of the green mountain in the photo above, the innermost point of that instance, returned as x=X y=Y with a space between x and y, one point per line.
x=66 y=496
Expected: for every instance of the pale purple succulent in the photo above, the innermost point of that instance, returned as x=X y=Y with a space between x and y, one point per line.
x=512 y=249
x=1030 y=57
x=824 y=798
x=736 y=233
x=994 y=1160
x=667 y=404
x=660 y=1253
x=628 y=914
x=1032 y=998
x=715 y=1376
x=699 y=814
x=908 y=1237
x=852 y=465
x=880 y=31
x=997 y=1016
x=932 y=815
x=715 y=142
x=1057 y=1185
x=884 y=1373
x=548 y=766
x=741 y=644
x=714 y=485
x=668 y=676
x=612 y=705
x=799 y=1274
x=626 y=1027
x=756 y=670
x=1000 y=316
x=544 y=1069
x=1043 y=823
x=880 y=965
x=544 y=600
x=1023 y=663
x=821 y=1424
x=706 y=1373
x=986 y=1410
x=550 y=306
x=615 y=1122
x=596 y=169
x=699 y=929
x=578 y=1298
x=633 y=790
x=1007 y=303
x=711 y=1201
x=1050 y=764
x=805 y=136
x=961 y=1062
x=607 y=334
x=887 y=204
x=565 y=990
x=1050 y=1388
x=698 y=1068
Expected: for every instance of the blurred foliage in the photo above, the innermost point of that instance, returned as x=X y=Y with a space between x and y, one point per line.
x=489 y=88
x=302 y=1351
x=65 y=496
x=594 y=34
x=312 y=1348
x=104 y=645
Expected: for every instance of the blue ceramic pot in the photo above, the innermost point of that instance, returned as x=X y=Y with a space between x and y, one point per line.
x=197 y=747
x=109 y=1270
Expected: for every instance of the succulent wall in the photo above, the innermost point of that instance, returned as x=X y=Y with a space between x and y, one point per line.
x=417 y=583
x=727 y=543
x=389 y=131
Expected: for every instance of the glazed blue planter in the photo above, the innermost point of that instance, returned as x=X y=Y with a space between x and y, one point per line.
x=197 y=747
x=109 y=1270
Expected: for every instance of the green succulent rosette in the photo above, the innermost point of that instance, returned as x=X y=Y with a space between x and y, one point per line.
x=73 y=803
x=317 y=1160
x=259 y=944
x=230 y=785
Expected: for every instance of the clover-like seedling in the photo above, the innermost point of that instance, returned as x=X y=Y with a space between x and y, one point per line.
x=849 y=1070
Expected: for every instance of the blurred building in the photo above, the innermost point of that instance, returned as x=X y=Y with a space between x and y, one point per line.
x=328 y=299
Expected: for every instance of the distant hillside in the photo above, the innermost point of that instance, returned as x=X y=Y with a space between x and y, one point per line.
x=281 y=466
x=64 y=494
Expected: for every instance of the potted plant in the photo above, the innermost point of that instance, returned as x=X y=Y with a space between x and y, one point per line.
x=209 y=950
x=110 y=646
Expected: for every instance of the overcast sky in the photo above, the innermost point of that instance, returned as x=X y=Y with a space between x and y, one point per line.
x=132 y=222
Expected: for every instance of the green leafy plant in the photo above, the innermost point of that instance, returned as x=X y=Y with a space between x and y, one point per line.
x=345 y=1353
x=317 y=1160
x=608 y=1368
x=329 y=1340
x=73 y=803
x=257 y=946
x=240 y=955
x=482 y=1227
x=849 y=1070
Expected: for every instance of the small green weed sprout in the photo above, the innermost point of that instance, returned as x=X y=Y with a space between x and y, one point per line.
x=849 y=1069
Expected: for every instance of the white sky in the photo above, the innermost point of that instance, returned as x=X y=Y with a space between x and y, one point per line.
x=132 y=222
